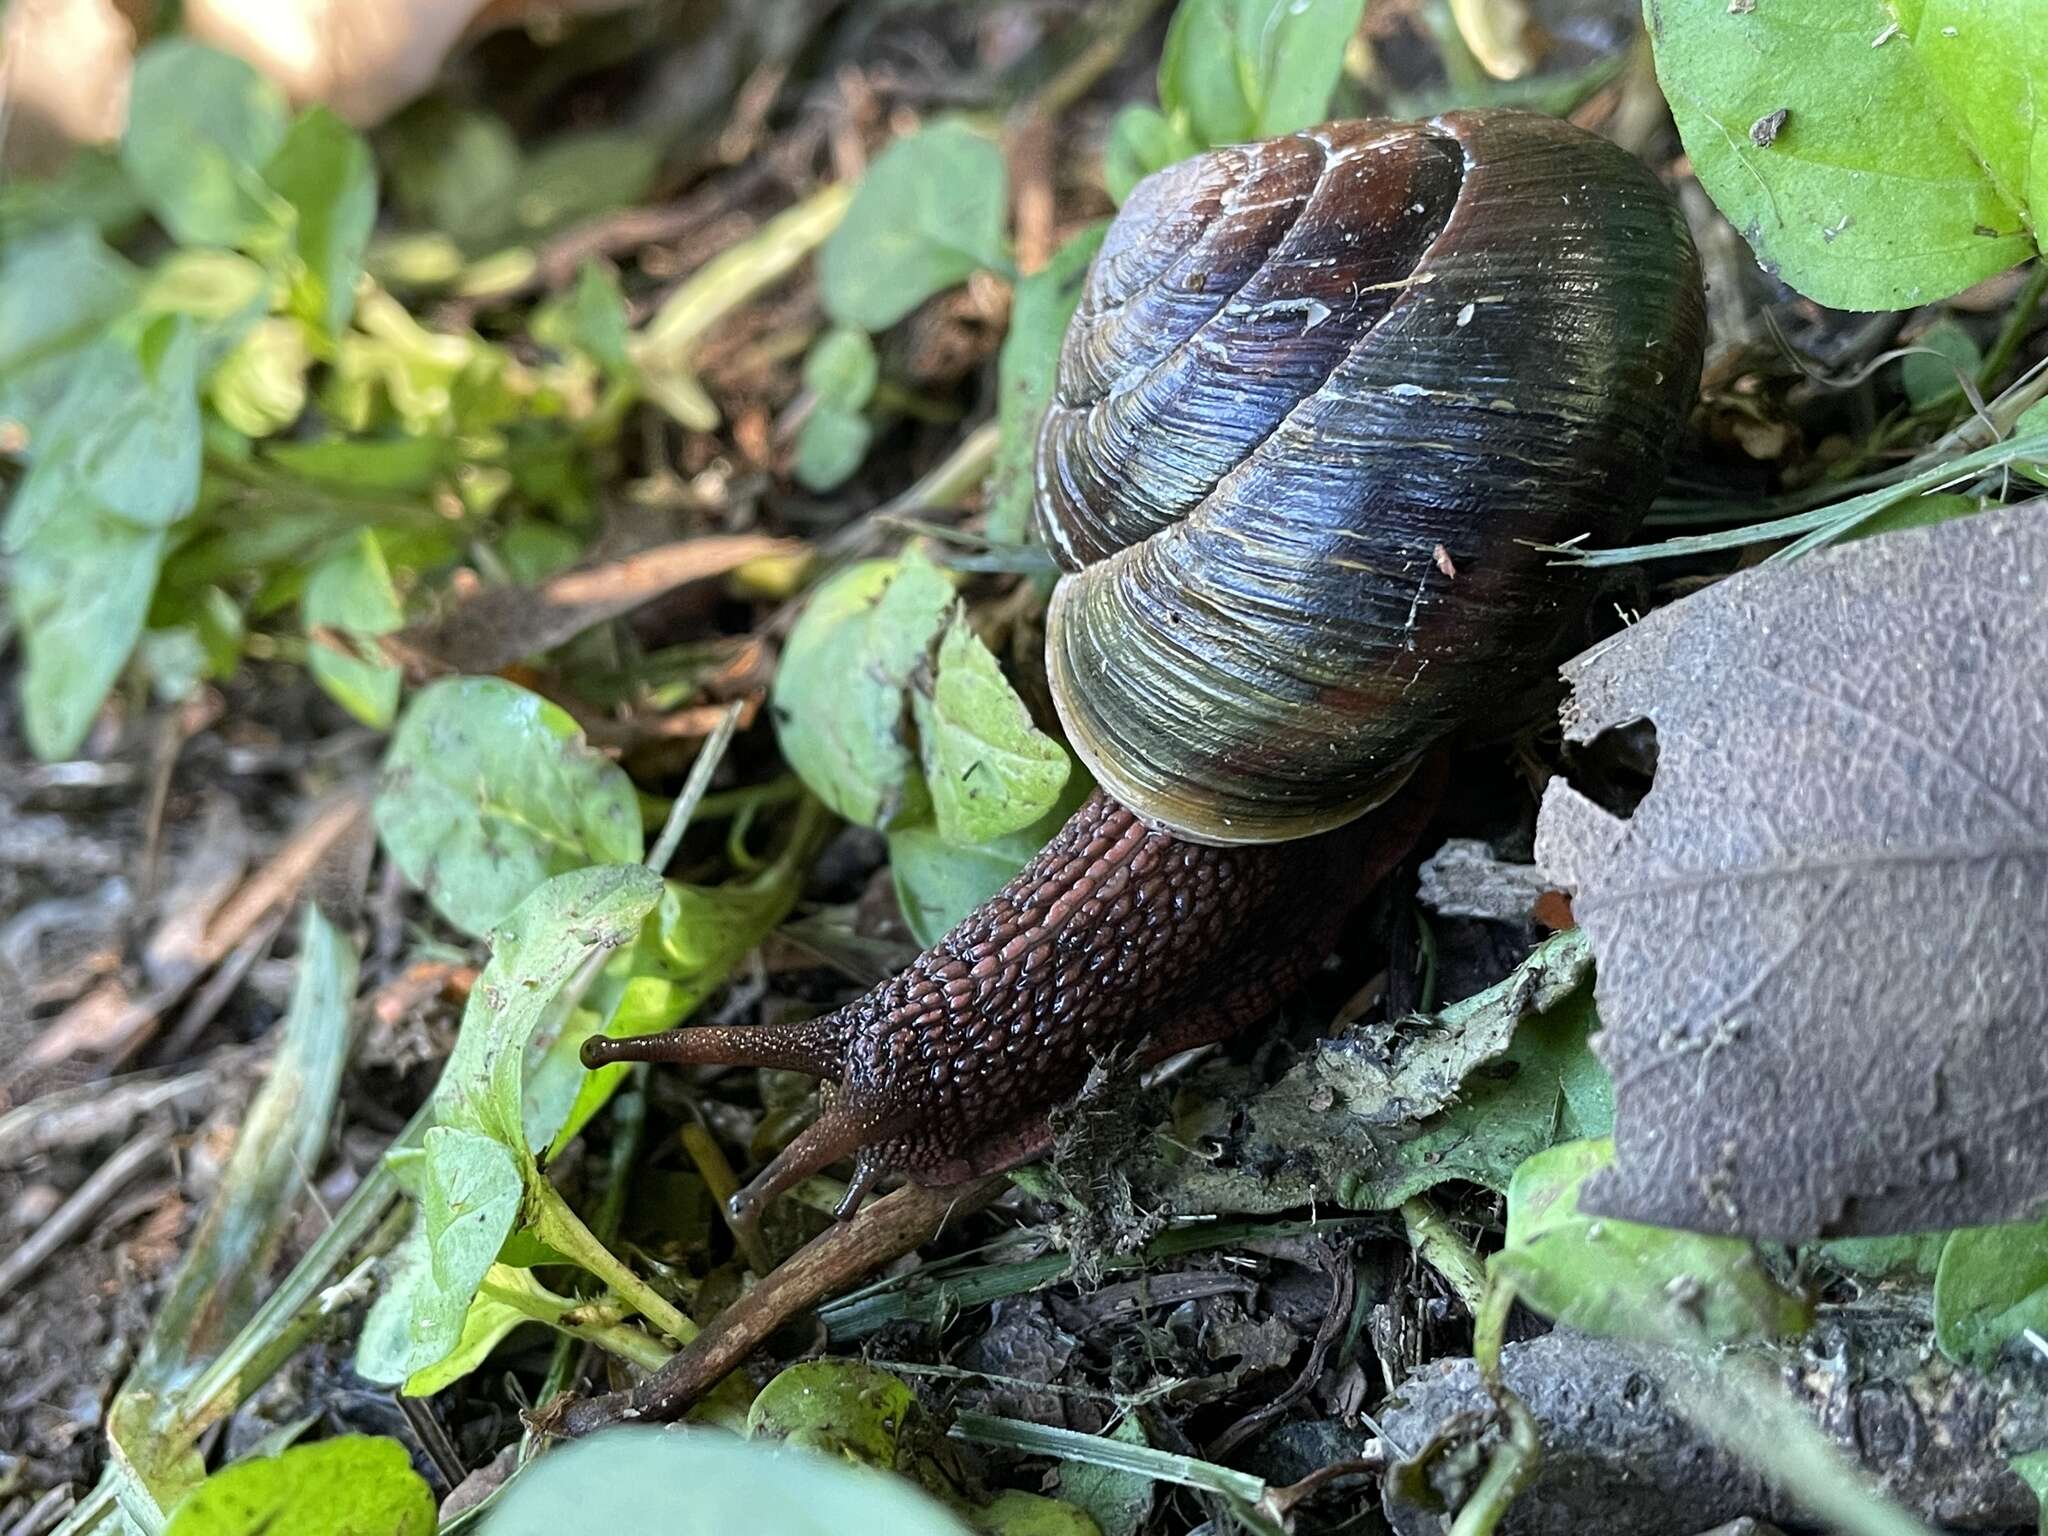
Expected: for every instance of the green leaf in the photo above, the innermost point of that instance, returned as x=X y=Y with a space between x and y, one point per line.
x=1236 y=70
x=116 y=463
x=592 y=319
x=1119 y=1501
x=323 y=170
x=1025 y=373
x=478 y=1156
x=1874 y=156
x=1202 y=77
x=506 y=1298
x=842 y=368
x=1141 y=140
x=470 y=1194
x=533 y=953
x=830 y=446
x=839 y=700
x=938 y=882
x=456 y=171
x=91 y=189
x=1991 y=1285
x=843 y=1408
x=488 y=790
x=260 y=388
x=1929 y=379
x=989 y=769
x=1915 y=512
x=1294 y=57
x=1014 y=1512
x=399 y=465
x=1620 y=1279
x=384 y=1345
x=1912 y=1253
x=929 y=214
x=579 y=175
x=351 y=593
x=58 y=290
x=124 y=435
x=201 y=127
x=79 y=589
x=614 y=1479
x=355 y=1485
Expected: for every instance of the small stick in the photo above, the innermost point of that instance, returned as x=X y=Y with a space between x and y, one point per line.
x=78 y=1210
x=827 y=1265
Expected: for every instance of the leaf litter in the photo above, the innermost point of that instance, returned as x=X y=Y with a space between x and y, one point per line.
x=430 y=471
x=1823 y=965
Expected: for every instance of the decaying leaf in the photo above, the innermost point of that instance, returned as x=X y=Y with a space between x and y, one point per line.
x=1823 y=965
x=1381 y=1113
x=495 y=626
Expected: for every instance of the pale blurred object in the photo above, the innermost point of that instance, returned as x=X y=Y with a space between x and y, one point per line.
x=64 y=64
x=64 y=67
x=363 y=58
x=1499 y=34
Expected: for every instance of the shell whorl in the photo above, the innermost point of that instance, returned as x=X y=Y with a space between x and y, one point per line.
x=1308 y=381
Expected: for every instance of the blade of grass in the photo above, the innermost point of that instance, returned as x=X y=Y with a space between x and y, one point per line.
x=1831 y=521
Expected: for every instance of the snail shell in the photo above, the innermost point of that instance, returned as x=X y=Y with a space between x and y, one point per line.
x=1321 y=398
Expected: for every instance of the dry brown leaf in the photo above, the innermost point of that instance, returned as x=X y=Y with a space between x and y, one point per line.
x=1823 y=936
x=498 y=625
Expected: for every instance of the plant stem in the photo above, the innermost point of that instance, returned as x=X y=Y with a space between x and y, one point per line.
x=1515 y=1460
x=722 y=285
x=606 y=1332
x=679 y=816
x=2019 y=319
x=550 y=1219
x=724 y=1184
x=1437 y=1242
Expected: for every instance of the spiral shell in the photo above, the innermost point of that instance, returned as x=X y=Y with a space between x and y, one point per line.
x=1321 y=397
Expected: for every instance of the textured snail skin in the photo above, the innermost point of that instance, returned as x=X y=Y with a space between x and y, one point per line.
x=1320 y=397
x=1116 y=937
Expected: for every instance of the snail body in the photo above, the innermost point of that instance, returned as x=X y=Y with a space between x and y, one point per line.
x=1321 y=399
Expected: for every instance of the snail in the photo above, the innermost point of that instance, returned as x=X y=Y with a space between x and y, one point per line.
x=1322 y=399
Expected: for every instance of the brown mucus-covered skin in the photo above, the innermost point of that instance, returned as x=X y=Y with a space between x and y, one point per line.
x=1322 y=402
x=1118 y=938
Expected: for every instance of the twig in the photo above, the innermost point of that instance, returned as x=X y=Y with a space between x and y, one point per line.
x=886 y=1230
x=273 y=886
x=221 y=986
x=94 y=1112
x=685 y=807
x=85 y=1200
x=1343 y=1282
